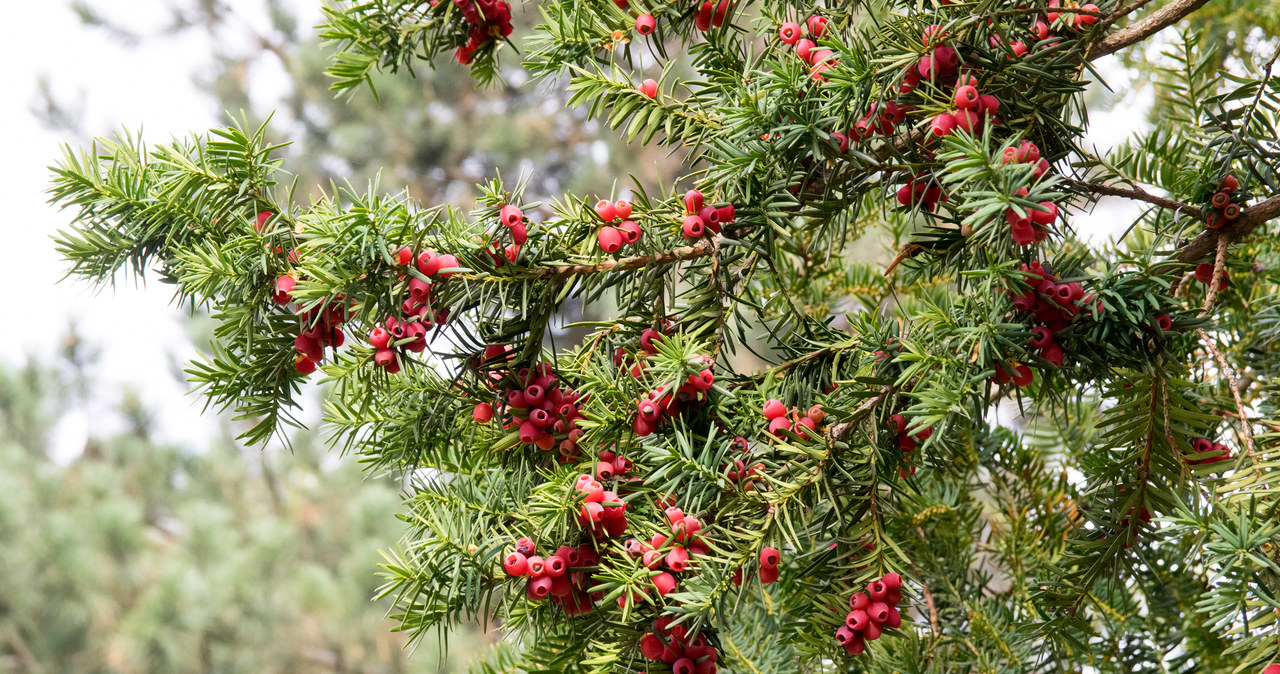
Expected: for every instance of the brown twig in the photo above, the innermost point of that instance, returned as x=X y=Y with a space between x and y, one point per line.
x=1144 y=28
x=840 y=431
x=1137 y=194
x=1219 y=268
x=933 y=609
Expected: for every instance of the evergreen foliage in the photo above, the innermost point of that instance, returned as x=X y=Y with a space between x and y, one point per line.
x=1091 y=531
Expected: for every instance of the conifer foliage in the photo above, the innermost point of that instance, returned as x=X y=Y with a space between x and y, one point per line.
x=635 y=501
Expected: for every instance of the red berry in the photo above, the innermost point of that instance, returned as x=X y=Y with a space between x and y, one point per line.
x=482 y=413
x=606 y=210
x=537 y=566
x=510 y=215
x=693 y=201
x=804 y=47
x=817 y=26
x=645 y=25
x=515 y=564
x=609 y=238
x=304 y=365
x=1230 y=184
x=630 y=231
x=768 y=576
x=683 y=666
x=539 y=588
x=790 y=32
x=665 y=583
x=859 y=601
x=876 y=590
x=447 y=261
x=942 y=125
x=649 y=88
x=651 y=647
x=693 y=227
x=774 y=409
x=262 y=219
x=1022 y=375
x=966 y=97
x=857 y=619
x=844 y=635
x=284 y=290
x=769 y=558
x=428 y=263
x=677 y=559
x=525 y=547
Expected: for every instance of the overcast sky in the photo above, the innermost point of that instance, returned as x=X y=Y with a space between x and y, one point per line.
x=149 y=87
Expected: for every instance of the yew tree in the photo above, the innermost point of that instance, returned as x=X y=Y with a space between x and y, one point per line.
x=767 y=446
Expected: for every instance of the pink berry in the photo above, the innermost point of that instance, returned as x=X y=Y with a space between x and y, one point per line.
x=943 y=125
x=610 y=239
x=447 y=261
x=790 y=32
x=817 y=26
x=606 y=210
x=645 y=25
x=515 y=564
x=649 y=88
x=774 y=409
x=630 y=231
x=693 y=228
x=966 y=97
x=804 y=47
x=510 y=215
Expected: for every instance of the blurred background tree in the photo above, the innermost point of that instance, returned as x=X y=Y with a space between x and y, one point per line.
x=138 y=557
x=435 y=136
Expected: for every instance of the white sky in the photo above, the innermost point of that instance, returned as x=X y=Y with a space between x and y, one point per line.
x=150 y=87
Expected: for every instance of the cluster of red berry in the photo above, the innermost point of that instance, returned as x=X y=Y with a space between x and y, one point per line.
x=324 y=321
x=535 y=402
x=871 y=613
x=1216 y=451
x=737 y=469
x=1055 y=305
x=612 y=238
x=672 y=644
x=920 y=190
x=409 y=332
x=781 y=419
x=907 y=442
x=1223 y=208
x=564 y=576
x=673 y=552
x=662 y=404
x=701 y=217
x=1074 y=20
x=511 y=217
x=973 y=109
x=1029 y=225
x=323 y=333
x=488 y=18
x=819 y=60
x=712 y=14
x=603 y=512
